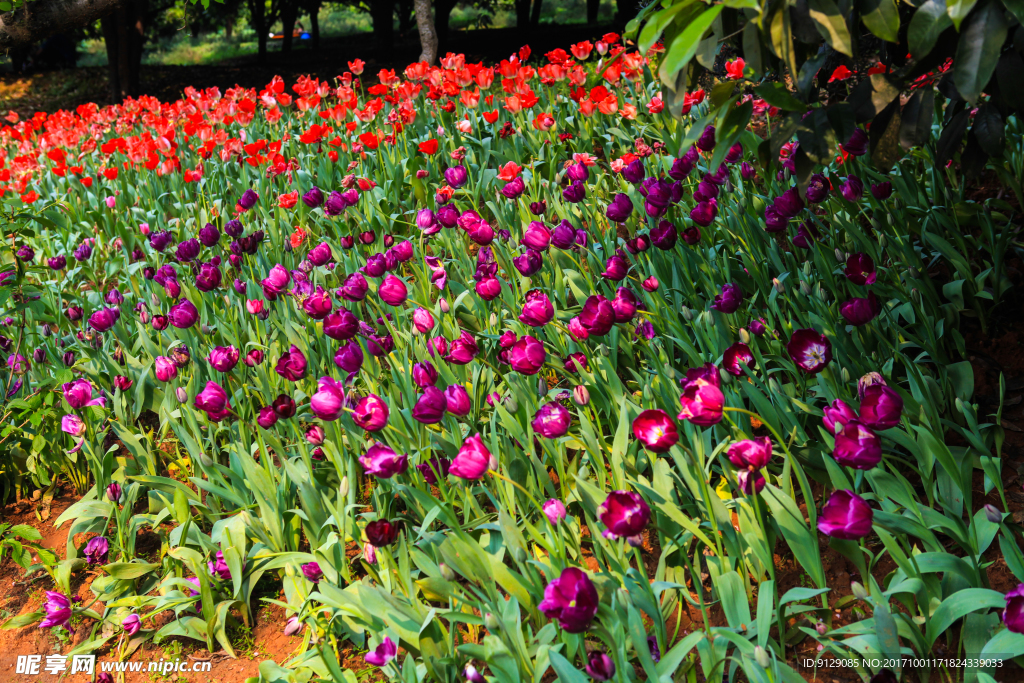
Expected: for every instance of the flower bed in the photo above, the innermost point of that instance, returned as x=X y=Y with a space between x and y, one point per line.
x=499 y=371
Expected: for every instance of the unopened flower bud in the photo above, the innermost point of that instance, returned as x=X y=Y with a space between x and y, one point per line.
x=519 y=554
x=580 y=395
x=839 y=256
x=805 y=288
x=491 y=622
x=761 y=657
x=622 y=595
x=821 y=628
x=494 y=319
x=858 y=590
x=779 y=287
x=687 y=314
x=846 y=375
x=710 y=318
x=446 y=572
x=807 y=268
x=445 y=308
x=181 y=395
x=511 y=404
x=542 y=387
x=993 y=514
x=882 y=241
x=744 y=335
x=343 y=488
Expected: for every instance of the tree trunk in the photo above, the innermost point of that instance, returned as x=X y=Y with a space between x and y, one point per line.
x=442 y=13
x=124 y=34
x=382 y=12
x=314 y=23
x=35 y=21
x=229 y=28
x=535 y=15
x=428 y=34
x=257 y=12
x=593 y=8
x=522 y=14
x=406 y=16
x=289 y=13
x=626 y=10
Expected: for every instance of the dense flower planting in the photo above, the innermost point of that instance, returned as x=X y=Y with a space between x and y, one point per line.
x=500 y=370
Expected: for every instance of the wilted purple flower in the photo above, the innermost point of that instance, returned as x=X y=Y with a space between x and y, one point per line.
x=472 y=460
x=572 y=599
x=655 y=430
x=78 y=394
x=810 y=350
x=382 y=462
x=96 y=549
x=312 y=572
x=625 y=514
x=58 y=610
x=846 y=515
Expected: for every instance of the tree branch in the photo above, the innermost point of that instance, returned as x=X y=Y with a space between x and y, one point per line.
x=35 y=21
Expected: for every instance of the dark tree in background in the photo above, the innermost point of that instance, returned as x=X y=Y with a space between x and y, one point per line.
x=124 y=32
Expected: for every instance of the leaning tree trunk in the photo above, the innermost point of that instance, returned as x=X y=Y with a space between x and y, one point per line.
x=593 y=7
x=32 y=22
x=428 y=34
x=535 y=14
x=289 y=13
x=382 y=12
x=124 y=34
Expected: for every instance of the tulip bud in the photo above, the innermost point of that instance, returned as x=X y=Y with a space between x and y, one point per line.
x=761 y=657
x=959 y=404
x=511 y=404
x=709 y=318
x=519 y=554
x=779 y=287
x=445 y=308
x=446 y=572
x=839 y=256
x=343 y=488
x=913 y=272
x=687 y=314
x=580 y=395
x=993 y=514
x=822 y=294
x=542 y=387
x=288 y=247
x=845 y=375
x=491 y=622
x=181 y=395
x=807 y=268
x=889 y=219
x=744 y=335
x=493 y=319
x=805 y=288
x=603 y=350
x=882 y=241
x=821 y=628
x=622 y=596
x=206 y=329
x=915 y=294
x=858 y=590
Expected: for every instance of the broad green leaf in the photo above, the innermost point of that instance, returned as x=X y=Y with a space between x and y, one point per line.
x=927 y=24
x=802 y=540
x=959 y=604
x=685 y=45
x=958 y=10
x=656 y=24
x=129 y=570
x=881 y=18
x=831 y=25
x=777 y=95
x=977 y=53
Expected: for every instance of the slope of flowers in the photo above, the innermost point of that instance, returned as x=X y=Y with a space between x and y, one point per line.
x=486 y=368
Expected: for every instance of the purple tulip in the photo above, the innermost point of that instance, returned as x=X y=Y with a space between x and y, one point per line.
x=852 y=188
x=313 y=197
x=735 y=357
x=706 y=141
x=747 y=171
x=537 y=236
x=57 y=262
x=846 y=515
x=96 y=550
x=383 y=463
x=448 y=216
x=554 y=510
x=683 y=166
x=870 y=379
x=537 y=311
x=103 y=319
x=329 y=400
x=292 y=364
x=424 y=374
x=817 y=189
x=312 y=572
x=575 y=362
x=188 y=250
x=1013 y=615
x=528 y=355
x=634 y=172
x=751 y=454
x=371 y=413
x=575 y=193
x=457 y=400
x=73 y=425
x=341 y=325
x=750 y=481
x=83 y=252
x=318 y=305
x=600 y=666
x=354 y=287
x=881 y=191
x=655 y=430
x=114 y=492
x=393 y=291
x=837 y=415
x=615 y=268
x=383 y=653
x=284 y=406
x=248 y=199
x=620 y=208
x=729 y=300
x=528 y=263
x=436 y=466
x=213 y=401
x=552 y=420
x=624 y=305
x=597 y=315
x=625 y=514
x=132 y=624
x=267 y=417
x=880 y=407
x=857 y=145
x=58 y=611
x=572 y=599
x=860 y=311
x=456 y=176
x=664 y=235
x=704 y=213
x=538 y=208
x=857 y=446
x=165 y=369
x=336 y=203
x=430 y=406
x=577 y=172
x=183 y=314
x=514 y=189
x=809 y=350
x=702 y=400
x=462 y=350
x=860 y=269
x=78 y=394
x=472 y=460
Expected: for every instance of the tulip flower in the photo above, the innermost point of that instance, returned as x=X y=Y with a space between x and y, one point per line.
x=267 y=417
x=214 y=401
x=393 y=291
x=869 y=380
x=312 y=572
x=318 y=305
x=183 y=314
x=382 y=462
x=430 y=406
x=528 y=263
x=809 y=350
x=881 y=191
x=664 y=235
x=620 y=208
x=456 y=176
x=735 y=357
x=563 y=236
x=383 y=653
x=371 y=413
x=103 y=319
x=625 y=514
x=462 y=350
x=96 y=550
x=329 y=400
x=702 y=400
x=223 y=358
x=624 y=305
x=817 y=189
x=857 y=145
x=704 y=213
x=457 y=400
x=284 y=406
x=880 y=407
x=551 y=421
x=571 y=599
x=166 y=370
x=537 y=311
x=341 y=325
x=655 y=430
x=73 y=425
x=597 y=316
x=78 y=394
x=422 y=320
x=424 y=374
x=751 y=454
x=615 y=268
x=860 y=311
x=857 y=446
x=846 y=515
x=729 y=300
x=528 y=355
x=113 y=492
x=472 y=460
x=537 y=236
x=554 y=510
x=292 y=364
x=313 y=198
x=706 y=141
x=1013 y=615
x=600 y=666
x=750 y=481
x=132 y=624
x=860 y=269
x=837 y=415
x=852 y=189
x=58 y=611
x=381 y=533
